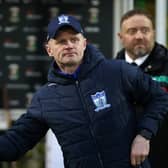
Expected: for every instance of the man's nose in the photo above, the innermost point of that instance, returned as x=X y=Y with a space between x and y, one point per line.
x=69 y=44
x=139 y=35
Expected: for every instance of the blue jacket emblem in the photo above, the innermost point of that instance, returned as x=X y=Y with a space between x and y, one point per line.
x=99 y=99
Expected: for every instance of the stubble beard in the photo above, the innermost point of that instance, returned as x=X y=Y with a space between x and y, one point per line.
x=70 y=64
x=140 y=52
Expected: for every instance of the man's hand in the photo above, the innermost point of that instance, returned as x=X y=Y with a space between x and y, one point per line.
x=139 y=150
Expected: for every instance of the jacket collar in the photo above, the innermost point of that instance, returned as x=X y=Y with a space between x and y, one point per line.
x=155 y=61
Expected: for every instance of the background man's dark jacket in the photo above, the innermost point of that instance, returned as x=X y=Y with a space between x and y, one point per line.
x=156 y=65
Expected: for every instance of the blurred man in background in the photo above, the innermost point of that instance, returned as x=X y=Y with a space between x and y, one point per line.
x=137 y=35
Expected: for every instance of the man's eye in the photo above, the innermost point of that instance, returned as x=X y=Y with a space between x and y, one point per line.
x=132 y=31
x=74 y=40
x=145 y=30
x=61 y=41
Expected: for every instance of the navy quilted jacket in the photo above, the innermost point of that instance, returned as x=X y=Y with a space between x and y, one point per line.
x=92 y=115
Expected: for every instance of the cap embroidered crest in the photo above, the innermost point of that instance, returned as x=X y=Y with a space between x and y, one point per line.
x=63 y=19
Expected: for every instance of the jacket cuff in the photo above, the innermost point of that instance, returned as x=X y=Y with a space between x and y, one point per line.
x=146 y=134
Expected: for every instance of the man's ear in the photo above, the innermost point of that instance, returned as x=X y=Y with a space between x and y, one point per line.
x=154 y=32
x=48 y=49
x=119 y=35
x=85 y=42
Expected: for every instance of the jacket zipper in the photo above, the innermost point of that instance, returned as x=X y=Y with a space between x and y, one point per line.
x=85 y=107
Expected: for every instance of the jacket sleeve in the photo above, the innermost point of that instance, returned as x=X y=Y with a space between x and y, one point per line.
x=24 y=134
x=142 y=89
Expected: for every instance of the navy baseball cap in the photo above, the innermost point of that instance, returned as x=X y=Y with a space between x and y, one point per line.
x=60 y=21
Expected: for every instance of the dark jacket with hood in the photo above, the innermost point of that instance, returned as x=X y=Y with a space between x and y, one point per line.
x=156 y=65
x=91 y=114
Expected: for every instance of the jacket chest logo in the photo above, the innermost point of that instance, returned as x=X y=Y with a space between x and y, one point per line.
x=99 y=100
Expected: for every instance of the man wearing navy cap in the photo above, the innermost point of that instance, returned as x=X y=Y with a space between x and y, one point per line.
x=88 y=104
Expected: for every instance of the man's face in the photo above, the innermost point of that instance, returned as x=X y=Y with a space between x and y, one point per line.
x=67 y=48
x=137 y=36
